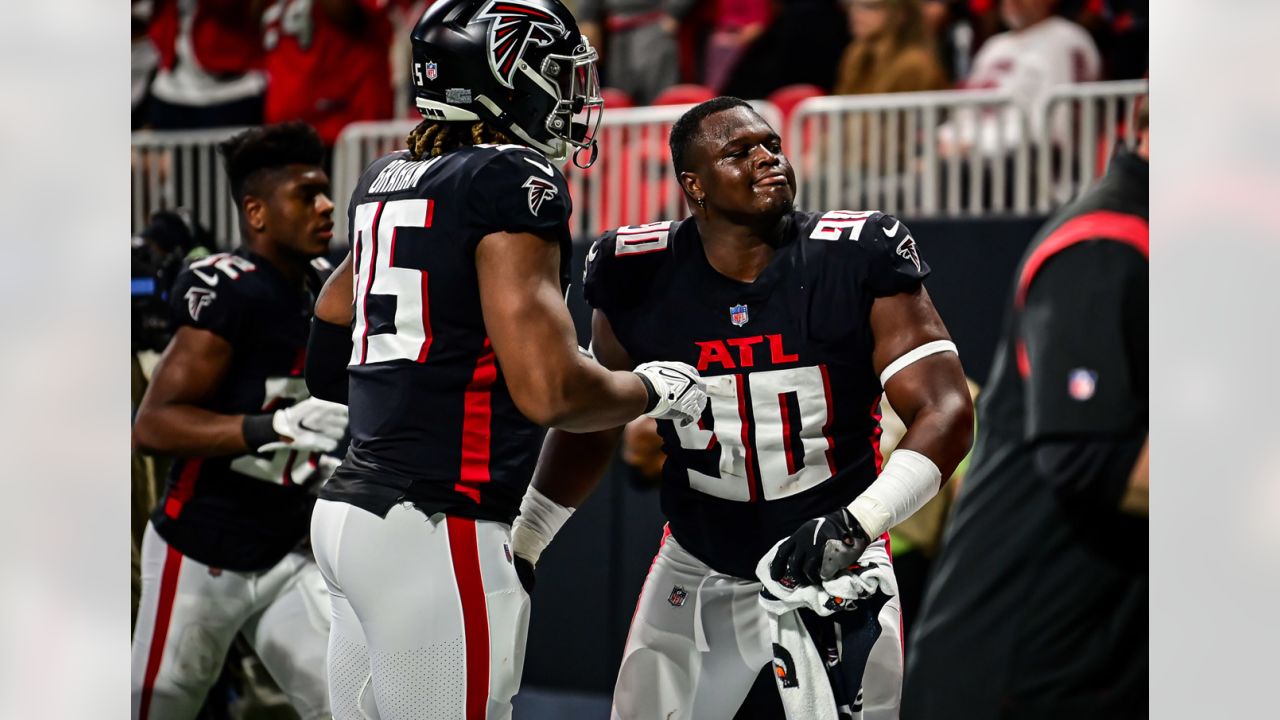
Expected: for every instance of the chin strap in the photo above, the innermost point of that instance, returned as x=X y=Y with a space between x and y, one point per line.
x=595 y=150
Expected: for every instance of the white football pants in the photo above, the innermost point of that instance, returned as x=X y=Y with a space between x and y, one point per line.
x=429 y=617
x=699 y=639
x=189 y=614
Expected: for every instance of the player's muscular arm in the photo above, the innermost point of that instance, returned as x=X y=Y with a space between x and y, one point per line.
x=932 y=398
x=569 y=468
x=533 y=337
x=169 y=419
x=930 y=395
x=337 y=297
x=572 y=464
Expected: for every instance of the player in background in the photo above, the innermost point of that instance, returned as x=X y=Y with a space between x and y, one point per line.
x=222 y=554
x=450 y=313
x=1039 y=603
x=806 y=318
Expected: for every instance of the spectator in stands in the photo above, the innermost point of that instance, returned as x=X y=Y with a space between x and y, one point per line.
x=328 y=63
x=953 y=35
x=737 y=23
x=639 y=42
x=210 y=65
x=1039 y=51
x=890 y=52
x=802 y=45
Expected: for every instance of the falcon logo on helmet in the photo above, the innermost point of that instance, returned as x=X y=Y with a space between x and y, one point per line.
x=513 y=25
x=539 y=192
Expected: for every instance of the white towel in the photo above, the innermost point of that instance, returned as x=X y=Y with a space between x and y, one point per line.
x=822 y=637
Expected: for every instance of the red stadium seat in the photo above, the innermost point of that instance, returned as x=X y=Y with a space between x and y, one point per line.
x=684 y=94
x=615 y=98
x=786 y=98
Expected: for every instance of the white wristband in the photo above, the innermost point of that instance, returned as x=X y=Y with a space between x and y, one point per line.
x=920 y=353
x=908 y=481
x=539 y=520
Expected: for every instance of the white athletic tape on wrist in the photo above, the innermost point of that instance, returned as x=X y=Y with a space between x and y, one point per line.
x=539 y=520
x=920 y=353
x=908 y=481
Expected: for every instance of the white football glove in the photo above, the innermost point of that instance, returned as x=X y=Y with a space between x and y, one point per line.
x=314 y=425
x=680 y=390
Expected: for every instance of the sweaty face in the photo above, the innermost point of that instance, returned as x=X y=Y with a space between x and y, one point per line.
x=299 y=212
x=739 y=164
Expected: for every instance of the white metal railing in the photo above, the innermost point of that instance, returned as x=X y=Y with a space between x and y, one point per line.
x=632 y=181
x=947 y=153
x=885 y=152
x=1097 y=114
x=182 y=168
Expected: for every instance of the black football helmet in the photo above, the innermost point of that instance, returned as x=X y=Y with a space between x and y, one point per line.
x=521 y=65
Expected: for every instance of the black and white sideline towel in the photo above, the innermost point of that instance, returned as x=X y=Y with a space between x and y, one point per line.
x=822 y=636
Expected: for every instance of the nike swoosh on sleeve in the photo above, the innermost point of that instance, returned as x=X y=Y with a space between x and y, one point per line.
x=890 y=232
x=544 y=168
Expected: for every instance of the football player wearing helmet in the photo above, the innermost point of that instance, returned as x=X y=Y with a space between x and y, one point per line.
x=801 y=321
x=447 y=333
x=221 y=555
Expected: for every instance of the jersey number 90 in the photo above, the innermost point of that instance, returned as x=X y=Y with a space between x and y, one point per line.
x=788 y=435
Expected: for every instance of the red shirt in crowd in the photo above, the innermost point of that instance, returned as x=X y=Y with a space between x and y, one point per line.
x=326 y=70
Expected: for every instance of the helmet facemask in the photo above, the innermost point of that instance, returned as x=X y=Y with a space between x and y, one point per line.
x=579 y=105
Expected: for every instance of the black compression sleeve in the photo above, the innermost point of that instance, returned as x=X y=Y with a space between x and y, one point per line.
x=328 y=350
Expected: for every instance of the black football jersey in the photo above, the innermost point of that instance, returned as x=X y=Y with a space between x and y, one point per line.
x=243 y=512
x=800 y=434
x=432 y=421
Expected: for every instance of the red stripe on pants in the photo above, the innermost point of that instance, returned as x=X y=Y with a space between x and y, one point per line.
x=465 y=553
x=164 y=610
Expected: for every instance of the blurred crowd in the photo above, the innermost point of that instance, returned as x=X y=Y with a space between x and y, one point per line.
x=212 y=63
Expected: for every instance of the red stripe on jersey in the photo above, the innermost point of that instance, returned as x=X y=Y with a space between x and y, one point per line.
x=286 y=475
x=184 y=488
x=426 y=300
x=476 y=418
x=712 y=442
x=740 y=380
x=299 y=362
x=159 y=633
x=786 y=433
x=831 y=417
x=465 y=552
x=373 y=266
x=876 y=431
x=1101 y=225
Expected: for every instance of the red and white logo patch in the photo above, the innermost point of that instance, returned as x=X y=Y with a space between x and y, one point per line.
x=1082 y=383
x=540 y=191
x=907 y=249
x=198 y=299
x=513 y=25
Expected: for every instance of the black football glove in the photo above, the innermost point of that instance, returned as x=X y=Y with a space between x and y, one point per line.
x=524 y=571
x=819 y=550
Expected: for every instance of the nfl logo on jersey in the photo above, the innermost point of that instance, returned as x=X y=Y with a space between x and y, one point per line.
x=1081 y=383
x=738 y=315
x=431 y=70
x=677 y=596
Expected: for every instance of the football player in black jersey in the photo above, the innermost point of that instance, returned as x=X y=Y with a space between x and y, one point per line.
x=227 y=399
x=448 y=333
x=801 y=320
